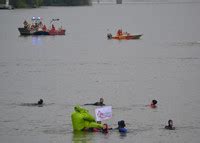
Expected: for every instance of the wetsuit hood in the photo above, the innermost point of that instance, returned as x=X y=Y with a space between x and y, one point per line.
x=121 y=124
x=79 y=109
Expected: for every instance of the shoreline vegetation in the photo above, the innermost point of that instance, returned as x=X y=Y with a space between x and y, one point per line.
x=38 y=3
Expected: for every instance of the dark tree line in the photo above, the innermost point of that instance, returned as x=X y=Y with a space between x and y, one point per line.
x=66 y=2
x=37 y=3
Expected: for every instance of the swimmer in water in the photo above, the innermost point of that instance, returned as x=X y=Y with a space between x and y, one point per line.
x=153 y=104
x=170 y=125
x=121 y=126
x=100 y=103
x=39 y=103
x=105 y=128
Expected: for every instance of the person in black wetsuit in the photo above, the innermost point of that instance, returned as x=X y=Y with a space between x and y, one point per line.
x=39 y=103
x=170 y=125
x=121 y=126
x=100 y=103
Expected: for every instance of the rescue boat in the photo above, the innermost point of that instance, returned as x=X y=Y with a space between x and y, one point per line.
x=123 y=36
x=38 y=28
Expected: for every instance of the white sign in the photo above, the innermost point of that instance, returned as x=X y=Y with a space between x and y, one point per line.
x=103 y=113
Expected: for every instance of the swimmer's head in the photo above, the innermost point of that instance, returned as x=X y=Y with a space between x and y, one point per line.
x=105 y=128
x=40 y=102
x=121 y=124
x=170 y=123
x=101 y=100
x=154 y=102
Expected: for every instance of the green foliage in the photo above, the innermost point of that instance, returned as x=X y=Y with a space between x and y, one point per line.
x=40 y=2
x=78 y=2
x=37 y=3
x=2 y=1
x=67 y=2
x=21 y=4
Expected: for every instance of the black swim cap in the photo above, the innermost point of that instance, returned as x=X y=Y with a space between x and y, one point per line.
x=121 y=124
x=170 y=121
x=40 y=102
x=154 y=102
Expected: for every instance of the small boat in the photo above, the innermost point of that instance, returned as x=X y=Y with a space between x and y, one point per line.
x=25 y=31
x=123 y=36
x=38 y=28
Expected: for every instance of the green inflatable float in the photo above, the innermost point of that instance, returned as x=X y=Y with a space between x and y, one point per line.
x=81 y=119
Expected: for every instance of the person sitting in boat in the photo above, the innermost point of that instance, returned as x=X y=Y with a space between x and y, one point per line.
x=53 y=27
x=82 y=120
x=25 y=24
x=32 y=26
x=36 y=25
x=100 y=103
x=126 y=33
x=40 y=24
x=119 y=32
x=44 y=28
x=170 y=125
x=60 y=29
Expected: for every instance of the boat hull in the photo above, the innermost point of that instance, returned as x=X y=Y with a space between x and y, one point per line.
x=26 y=32
x=126 y=37
x=57 y=32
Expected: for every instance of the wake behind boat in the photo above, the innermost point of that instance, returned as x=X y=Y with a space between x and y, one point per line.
x=38 y=28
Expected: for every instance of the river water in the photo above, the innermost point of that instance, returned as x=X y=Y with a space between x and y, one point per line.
x=83 y=66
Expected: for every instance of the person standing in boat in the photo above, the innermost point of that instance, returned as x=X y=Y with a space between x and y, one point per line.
x=44 y=28
x=25 y=24
x=119 y=32
x=53 y=27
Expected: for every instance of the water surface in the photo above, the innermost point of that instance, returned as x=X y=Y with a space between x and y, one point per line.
x=83 y=66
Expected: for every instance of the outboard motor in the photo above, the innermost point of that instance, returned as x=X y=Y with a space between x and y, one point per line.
x=109 y=36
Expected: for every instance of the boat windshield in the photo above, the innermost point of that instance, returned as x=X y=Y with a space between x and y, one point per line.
x=36 y=19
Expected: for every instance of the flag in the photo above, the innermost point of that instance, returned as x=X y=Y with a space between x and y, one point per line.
x=103 y=113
